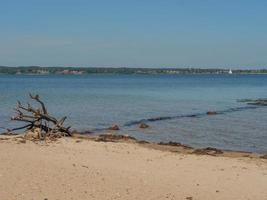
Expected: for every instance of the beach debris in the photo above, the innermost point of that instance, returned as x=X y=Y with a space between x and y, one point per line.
x=212 y=113
x=33 y=134
x=8 y=133
x=21 y=141
x=264 y=156
x=208 y=151
x=256 y=102
x=143 y=125
x=175 y=144
x=3 y=139
x=38 y=123
x=142 y=142
x=114 y=128
x=114 y=138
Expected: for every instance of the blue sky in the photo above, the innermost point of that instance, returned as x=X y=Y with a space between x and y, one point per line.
x=134 y=33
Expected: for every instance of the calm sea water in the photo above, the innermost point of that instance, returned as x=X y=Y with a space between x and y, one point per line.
x=97 y=101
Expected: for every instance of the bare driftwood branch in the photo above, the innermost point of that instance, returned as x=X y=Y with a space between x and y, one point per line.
x=39 y=118
x=19 y=128
x=36 y=97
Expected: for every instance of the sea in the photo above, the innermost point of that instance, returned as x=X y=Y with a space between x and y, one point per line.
x=174 y=106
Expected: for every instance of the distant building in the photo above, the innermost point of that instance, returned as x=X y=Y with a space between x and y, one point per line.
x=67 y=71
x=42 y=72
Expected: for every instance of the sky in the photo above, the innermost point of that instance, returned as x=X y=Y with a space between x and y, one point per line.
x=134 y=33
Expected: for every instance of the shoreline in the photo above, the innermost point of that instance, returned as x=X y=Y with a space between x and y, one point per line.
x=171 y=146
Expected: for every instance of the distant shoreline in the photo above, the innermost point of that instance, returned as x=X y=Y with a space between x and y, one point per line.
x=111 y=74
x=36 y=70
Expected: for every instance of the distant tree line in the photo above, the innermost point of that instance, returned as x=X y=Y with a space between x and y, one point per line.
x=120 y=70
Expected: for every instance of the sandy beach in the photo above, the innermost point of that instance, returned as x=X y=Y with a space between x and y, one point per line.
x=84 y=169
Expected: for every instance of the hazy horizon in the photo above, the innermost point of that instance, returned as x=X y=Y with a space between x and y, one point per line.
x=147 y=34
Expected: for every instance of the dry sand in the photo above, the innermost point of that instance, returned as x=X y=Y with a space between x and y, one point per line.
x=84 y=169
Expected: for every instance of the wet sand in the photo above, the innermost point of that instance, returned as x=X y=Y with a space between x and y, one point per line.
x=74 y=168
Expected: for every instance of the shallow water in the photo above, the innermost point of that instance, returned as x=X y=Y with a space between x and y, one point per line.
x=96 y=101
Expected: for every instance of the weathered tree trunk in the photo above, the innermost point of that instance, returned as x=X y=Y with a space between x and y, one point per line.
x=39 y=118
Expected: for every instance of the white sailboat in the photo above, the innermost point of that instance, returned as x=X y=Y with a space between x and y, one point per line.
x=230 y=71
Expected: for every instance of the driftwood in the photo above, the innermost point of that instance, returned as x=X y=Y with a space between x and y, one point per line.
x=39 y=119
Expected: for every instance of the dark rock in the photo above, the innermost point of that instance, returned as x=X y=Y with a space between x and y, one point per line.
x=212 y=113
x=158 y=119
x=114 y=128
x=194 y=115
x=143 y=125
x=256 y=102
x=87 y=132
x=177 y=144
